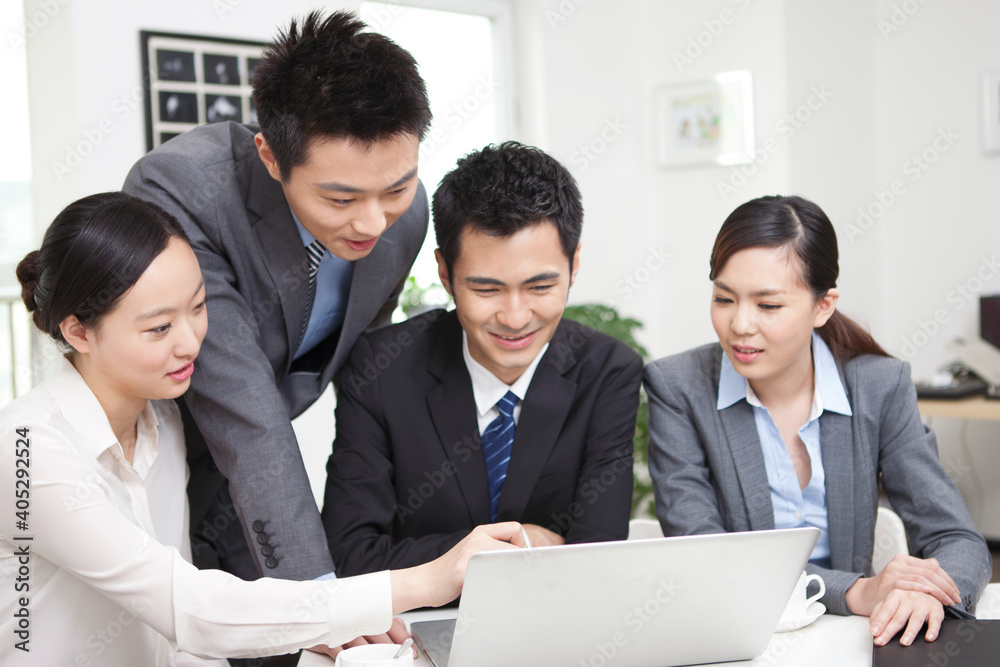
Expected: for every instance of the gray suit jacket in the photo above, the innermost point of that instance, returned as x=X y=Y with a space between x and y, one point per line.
x=709 y=476
x=245 y=389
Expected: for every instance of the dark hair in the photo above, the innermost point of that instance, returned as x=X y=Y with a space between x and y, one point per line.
x=325 y=78
x=93 y=252
x=502 y=189
x=777 y=221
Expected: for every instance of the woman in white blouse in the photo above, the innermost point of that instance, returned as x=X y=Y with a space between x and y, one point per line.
x=94 y=552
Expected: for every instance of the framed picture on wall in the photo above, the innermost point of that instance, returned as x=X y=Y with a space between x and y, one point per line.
x=707 y=122
x=991 y=111
x=192 y=80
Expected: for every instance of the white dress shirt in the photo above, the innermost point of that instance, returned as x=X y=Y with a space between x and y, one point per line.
x=488 y=389
x=110 y=581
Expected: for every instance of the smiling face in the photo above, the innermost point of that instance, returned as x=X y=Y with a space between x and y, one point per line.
x=510 y=293
x=346 y=194
x=764 y=314
x=146 y=346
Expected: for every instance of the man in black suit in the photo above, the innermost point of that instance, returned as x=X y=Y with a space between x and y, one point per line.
x=499 y=410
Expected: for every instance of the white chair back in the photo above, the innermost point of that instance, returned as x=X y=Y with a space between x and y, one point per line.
x=890 y=538
x=644 y=529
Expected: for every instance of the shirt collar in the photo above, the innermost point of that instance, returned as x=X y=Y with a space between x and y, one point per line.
x=829 y=393
x=487 y=388
x=304 y=234
x=78 y=404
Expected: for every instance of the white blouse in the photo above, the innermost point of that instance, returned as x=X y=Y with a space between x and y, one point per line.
x=95 y=560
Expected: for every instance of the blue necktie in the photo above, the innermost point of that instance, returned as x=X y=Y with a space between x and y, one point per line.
x=315 y=251
x=498 y=439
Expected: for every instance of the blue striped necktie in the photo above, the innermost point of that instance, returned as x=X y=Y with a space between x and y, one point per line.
x=315 y=251
x=498 y=440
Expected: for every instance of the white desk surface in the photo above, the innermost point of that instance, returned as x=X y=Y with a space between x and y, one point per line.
x=832 y=641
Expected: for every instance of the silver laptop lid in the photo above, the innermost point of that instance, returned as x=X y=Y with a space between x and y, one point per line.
x=656 y=603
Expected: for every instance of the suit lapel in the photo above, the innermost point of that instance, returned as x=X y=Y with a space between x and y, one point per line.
x=370 y=286
x=748 y=457
x=281 y=246
x=453 y=411
x=546 y=405
x=836 y=446
x=744 y=444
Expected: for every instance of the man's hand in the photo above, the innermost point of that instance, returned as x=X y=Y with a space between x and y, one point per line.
x=397 y=634
x=906 y=608
x=542 y=537
x=903 y=573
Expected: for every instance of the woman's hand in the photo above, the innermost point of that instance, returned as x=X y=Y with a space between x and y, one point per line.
x=906 y=608
x=440 y=581
x=903 y=573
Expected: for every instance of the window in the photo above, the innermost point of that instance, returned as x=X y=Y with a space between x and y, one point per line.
x=16 y=233
x=462 y=56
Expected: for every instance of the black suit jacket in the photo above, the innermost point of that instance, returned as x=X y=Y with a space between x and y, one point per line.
x=407 y=479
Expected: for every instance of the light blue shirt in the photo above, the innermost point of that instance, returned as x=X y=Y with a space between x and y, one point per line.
x=333 y=285
x=794 y=507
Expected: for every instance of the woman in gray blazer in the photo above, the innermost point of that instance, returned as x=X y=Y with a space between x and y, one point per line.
x=794 y=417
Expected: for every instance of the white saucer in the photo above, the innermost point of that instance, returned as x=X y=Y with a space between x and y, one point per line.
x=813 y=611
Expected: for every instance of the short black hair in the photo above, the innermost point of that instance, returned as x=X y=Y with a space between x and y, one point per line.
x=503 y=189
x=94 y=251
x=327 y=78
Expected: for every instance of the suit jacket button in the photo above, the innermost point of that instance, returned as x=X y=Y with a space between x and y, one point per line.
x=271 y=562
x=267 y=550
x=263 y=538
x=258 y=526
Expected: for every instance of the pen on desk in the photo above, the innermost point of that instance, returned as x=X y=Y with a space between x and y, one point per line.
x=524 y=535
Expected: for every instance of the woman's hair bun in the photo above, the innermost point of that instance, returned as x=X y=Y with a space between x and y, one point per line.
x=28 y=271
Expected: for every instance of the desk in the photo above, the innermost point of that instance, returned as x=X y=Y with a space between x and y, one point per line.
x=976 y=407
x=832 y=641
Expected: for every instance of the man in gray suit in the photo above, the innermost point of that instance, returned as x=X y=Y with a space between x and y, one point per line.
x=306 y=232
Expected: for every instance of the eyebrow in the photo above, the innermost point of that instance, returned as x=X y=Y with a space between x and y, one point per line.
x=167 y=309
x=761 y=292
x=334 y=186
x=483 y=280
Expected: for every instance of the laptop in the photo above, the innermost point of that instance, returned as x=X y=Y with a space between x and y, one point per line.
x=642 y=603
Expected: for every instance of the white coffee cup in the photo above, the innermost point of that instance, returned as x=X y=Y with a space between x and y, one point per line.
x=374 y=655
x=798 y=602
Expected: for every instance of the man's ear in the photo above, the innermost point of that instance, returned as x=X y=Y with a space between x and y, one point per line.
x=443 y=272
x=825 y=307
x=575 y=265
x=267 y=157
x=75 y=333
